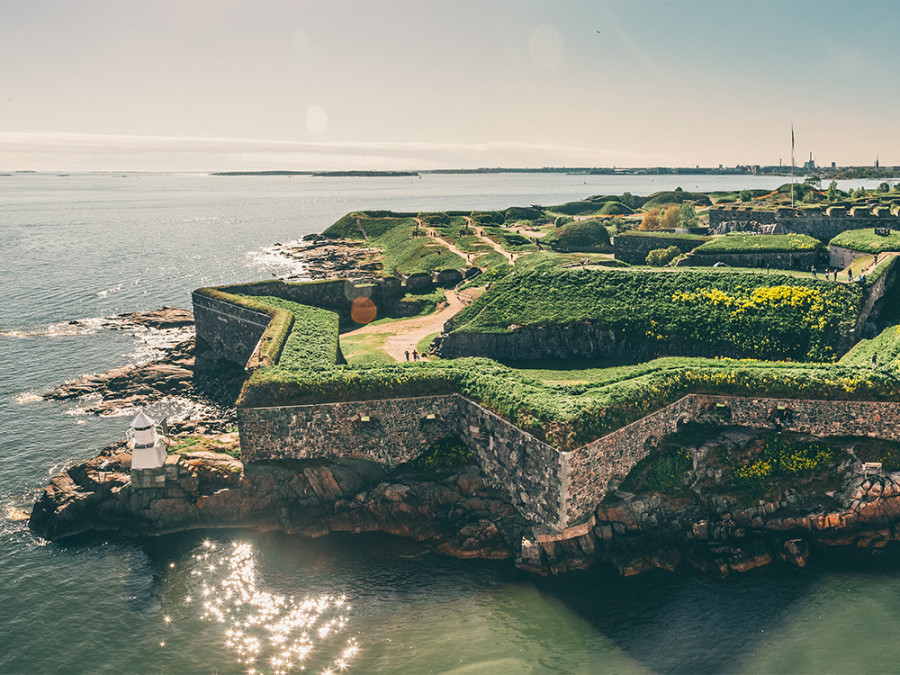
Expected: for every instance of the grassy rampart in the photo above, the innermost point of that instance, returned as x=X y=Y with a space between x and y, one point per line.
x=311 y=340
x=867 y=241
x=565 y=407
x=738 y=314
x=759 y=243
x=570 y=414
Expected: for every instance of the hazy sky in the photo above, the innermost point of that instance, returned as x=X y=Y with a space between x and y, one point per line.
x=258 y=84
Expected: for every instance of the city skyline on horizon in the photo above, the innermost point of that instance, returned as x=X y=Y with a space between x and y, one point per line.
x=387 y=85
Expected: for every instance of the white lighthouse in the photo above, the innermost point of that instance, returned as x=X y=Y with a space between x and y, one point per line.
x=147 y=447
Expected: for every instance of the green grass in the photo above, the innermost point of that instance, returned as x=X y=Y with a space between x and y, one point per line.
x=569 y=415
x=313 y=339
x=442 y=458
x=509 y=240
x=366 y=350
x=770 y=316
x=867 y=241
x=886 y=346
x=359 y=225
x=407 y=254
x=423 y=304
x=776 y=461
x=661 y=472
x=425 y=343
x=581 y=235
x=186 y=444
x=759 y=243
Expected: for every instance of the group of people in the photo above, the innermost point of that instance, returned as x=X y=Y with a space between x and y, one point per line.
x=415 y=355
x=831 y=275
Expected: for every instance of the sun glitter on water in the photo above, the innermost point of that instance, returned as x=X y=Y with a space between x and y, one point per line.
x=266 y=632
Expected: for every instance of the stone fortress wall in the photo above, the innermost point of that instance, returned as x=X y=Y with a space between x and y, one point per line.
x=634 y=249
x=231 y=332
x=553 y=489
x=815 y=222
x=794 y=260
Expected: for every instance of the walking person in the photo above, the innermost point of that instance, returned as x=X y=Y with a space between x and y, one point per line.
x=415 y=355
x=874 y=360
x=407 y=354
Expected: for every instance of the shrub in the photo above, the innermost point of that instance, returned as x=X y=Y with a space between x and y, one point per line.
x=442 y=458
x=650 y=221
x=660 y=257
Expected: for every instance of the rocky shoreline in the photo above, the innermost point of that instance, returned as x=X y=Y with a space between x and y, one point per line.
x=460 y=514
x=324 y=258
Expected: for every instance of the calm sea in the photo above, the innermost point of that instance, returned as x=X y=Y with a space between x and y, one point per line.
x=89 y=246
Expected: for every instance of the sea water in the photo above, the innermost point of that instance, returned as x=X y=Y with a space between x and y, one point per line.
x=89 y=246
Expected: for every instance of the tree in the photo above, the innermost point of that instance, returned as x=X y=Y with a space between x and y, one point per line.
x=627 y=199
x=669 y=220
x=687 y=214
x=884 y=187
x=859 y=192
x=832 y=192
x=746 y=195
x=650 y=221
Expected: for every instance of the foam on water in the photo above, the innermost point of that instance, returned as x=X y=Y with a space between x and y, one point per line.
x=277 y=260
x=60 y=329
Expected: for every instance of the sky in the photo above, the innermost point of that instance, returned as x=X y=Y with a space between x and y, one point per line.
x=190 y=85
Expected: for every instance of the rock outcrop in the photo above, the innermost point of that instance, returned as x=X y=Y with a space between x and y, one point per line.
x=458 y=514
x=720 y=535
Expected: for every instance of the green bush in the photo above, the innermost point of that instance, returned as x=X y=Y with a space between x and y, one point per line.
x=660 y=257
x=779 y=458
x=442 y=458
x=675 y=197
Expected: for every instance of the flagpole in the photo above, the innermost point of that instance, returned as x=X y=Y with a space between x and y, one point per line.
x=792 y=166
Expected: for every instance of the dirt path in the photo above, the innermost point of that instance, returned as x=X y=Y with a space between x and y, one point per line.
x=490 y=242
x=403 y=336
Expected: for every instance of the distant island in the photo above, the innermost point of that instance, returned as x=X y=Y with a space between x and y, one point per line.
x=326 y=174
x=806 y=170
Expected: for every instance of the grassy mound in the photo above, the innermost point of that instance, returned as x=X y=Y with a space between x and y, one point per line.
x=711 y=313
x=867 y=241
x=676 y=197
x=582 y=235
x=362 y=225
x=407 y=254
x=759 y=243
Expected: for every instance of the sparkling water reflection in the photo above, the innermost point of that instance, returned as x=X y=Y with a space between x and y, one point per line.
x=268 y=632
